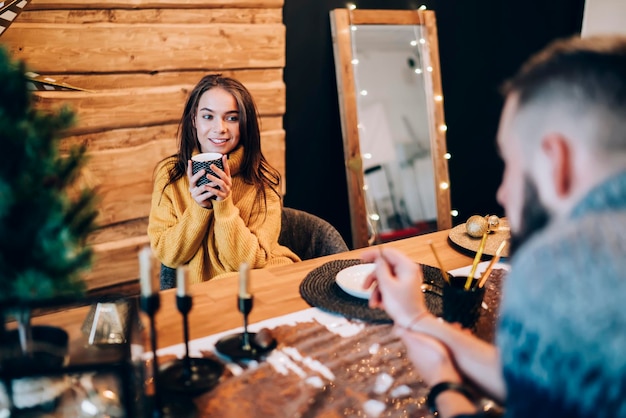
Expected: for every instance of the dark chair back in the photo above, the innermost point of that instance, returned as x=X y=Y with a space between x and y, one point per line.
x=309 y=236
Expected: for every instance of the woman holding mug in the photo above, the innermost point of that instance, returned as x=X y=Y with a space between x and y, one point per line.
x=236 y=217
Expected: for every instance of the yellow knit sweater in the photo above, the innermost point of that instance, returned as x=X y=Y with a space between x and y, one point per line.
x=215 y=241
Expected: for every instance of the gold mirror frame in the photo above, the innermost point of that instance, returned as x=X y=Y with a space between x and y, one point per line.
x=341 y=22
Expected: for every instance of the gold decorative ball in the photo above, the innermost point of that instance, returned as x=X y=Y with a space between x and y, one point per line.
x=476 y=226
x=493 y=222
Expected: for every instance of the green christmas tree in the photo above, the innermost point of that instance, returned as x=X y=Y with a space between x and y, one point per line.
x=44 y=219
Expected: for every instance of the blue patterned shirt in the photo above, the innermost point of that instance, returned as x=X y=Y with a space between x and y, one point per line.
x=562 y=333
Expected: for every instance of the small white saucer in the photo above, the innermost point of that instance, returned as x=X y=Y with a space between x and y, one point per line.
x=480 y=269
x=351 y=280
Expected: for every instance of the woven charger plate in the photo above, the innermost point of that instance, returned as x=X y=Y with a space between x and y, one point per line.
x=458 y=235
x=319 y=290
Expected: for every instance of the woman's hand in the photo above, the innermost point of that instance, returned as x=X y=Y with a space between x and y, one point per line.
x=198 y=193
x=221 y=184
x=203 y=194
x=398 y=285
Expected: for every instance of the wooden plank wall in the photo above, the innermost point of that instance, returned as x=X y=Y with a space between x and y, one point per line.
x=139 y=59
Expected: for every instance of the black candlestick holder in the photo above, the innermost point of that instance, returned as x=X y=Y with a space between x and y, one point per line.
x=150 y=304
x=244 y=345
x=190 y=376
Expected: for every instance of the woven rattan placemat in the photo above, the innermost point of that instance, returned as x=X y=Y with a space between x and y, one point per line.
x=319 y=290
x=458 y=236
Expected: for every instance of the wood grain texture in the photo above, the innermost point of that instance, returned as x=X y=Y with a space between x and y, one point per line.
x=438 y=129
x=116 y=262
x=111 y=47
x=121 y=231
x=259 y=79
x=150 y=4
x=153 y=16
x=129 y=137
x=386 y=17
x=342 y=47
x=143 y=106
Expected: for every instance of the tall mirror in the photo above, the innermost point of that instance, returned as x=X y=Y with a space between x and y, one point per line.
x=391 y=102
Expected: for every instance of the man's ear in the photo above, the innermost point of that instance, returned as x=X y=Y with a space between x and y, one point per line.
x=558 y=153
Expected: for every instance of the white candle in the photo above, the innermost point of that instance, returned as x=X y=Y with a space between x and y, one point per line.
x=181 y=281
x=145 y=271
x=244 y=280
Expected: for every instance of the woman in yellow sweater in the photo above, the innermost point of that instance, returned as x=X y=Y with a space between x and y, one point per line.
x=236 y=217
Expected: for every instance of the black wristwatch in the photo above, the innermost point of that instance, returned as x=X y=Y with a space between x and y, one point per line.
x=442 y=387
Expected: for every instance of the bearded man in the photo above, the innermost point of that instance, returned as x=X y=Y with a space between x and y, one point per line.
x=561 y=340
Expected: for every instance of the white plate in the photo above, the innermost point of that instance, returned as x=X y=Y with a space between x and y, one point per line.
x=351 y=280
x=480 y=269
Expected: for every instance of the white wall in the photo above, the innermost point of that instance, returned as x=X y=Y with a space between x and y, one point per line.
x=603 y=17
x=395 y=130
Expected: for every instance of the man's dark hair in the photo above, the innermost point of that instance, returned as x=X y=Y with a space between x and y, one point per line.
x=584 y=75
x=596 y=64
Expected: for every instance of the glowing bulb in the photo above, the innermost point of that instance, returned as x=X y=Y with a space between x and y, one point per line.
x=109 y=394
x=351 y=6
x=454 y=212
x=367 y=156
x=444 y=185
x=447 y=156
x=355 y=61
x=413 y=43
x=374 y=217
x=365 y=187
x=363 y=92
x=418 y=71
x=429 y=69
x=353 y=28
x=443 y=128
x=422 y=41
x=438 y=97
x=422 y=7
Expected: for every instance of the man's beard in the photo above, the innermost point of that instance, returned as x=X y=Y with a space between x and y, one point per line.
x=534 y=217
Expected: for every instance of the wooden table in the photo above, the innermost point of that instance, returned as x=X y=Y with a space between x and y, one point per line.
x=275 y=289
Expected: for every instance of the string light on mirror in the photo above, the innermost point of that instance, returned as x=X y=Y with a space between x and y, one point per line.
x=393 y=203
x=454 y=213
x=447 y=156
x=444 y=185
